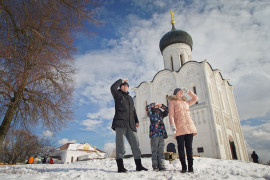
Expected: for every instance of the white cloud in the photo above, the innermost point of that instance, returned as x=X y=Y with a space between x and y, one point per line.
x=99 y=122
x=109 y=147
x=251 y=94
x=65 y=140
x=106 y=113
x=258 y=138
x=90 y=125
x=47 y=134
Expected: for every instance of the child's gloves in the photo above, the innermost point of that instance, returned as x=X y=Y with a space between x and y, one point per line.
x=185 y=90
x=173 y=128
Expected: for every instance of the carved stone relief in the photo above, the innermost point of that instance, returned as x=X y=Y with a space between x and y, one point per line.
x=220 y=137
x=228 y=123
x=217 y=117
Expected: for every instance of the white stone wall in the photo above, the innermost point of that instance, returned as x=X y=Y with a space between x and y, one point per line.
x=163 y=85
x=215 y=115
x=173 y=52
x=225 y=115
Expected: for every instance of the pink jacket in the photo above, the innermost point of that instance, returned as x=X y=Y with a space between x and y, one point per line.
x=179 y=114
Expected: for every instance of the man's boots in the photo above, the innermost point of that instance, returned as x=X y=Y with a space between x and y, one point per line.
x=184 y=166
x=139 y=166
x=120 y=165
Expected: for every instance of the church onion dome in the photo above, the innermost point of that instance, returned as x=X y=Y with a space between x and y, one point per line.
x=175 y=36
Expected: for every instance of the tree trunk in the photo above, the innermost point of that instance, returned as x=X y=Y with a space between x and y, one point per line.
x=12 y=107
x=7 y=121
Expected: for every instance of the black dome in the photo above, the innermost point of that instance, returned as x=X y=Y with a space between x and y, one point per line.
x=175 y=36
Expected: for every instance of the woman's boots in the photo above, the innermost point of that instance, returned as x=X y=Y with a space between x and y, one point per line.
x=190 y=165
x=184 y=166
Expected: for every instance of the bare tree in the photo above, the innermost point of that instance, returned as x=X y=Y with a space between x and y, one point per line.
x=36 y=64
x=19 y=145
x=47 y=145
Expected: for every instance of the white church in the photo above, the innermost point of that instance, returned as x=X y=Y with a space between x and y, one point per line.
x=215 y=114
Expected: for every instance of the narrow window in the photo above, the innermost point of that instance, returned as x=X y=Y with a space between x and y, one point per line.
x=172 y=63
x=167 y=100
x=181 y=60
x=195 y=92
x=144 y=108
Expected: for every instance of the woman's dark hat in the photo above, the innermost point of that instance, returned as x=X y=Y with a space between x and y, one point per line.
x=176 y=91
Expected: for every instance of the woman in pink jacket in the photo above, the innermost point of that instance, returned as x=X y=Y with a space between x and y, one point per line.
x=182 y=125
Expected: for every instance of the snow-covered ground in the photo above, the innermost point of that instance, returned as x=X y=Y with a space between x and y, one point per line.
x=205 y=168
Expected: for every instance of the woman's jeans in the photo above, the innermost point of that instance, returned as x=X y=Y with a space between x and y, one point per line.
x=185 y=140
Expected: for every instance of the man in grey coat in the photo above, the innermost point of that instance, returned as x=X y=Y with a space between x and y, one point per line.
x=125 y=123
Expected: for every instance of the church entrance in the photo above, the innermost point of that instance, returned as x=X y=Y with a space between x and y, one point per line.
x=233 y=150
x=171 y=148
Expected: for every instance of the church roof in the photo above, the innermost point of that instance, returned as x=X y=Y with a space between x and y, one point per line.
x=79 y=146
x=175 y=36
x=180 y=69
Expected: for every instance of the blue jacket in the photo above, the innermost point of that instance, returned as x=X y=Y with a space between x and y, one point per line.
x=157 y=127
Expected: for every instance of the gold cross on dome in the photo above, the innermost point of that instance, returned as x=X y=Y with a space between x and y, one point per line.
x=172 y=22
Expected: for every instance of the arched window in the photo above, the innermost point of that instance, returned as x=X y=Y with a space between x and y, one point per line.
x=181 y=60
x=233 y=148
x=195 y=92
x=171 y=148
x=172 y=63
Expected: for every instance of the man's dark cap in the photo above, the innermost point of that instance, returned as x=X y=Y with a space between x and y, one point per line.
x=124 y=83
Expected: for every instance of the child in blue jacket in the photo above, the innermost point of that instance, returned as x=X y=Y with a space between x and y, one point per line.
x=157 y=133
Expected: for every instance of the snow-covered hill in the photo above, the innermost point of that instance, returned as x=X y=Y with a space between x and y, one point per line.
x=205 y=168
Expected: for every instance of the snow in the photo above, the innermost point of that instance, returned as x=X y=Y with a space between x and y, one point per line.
x=73 y=146
x=204 y=168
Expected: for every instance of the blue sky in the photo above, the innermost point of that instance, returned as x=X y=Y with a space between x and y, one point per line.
x=232 y=35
